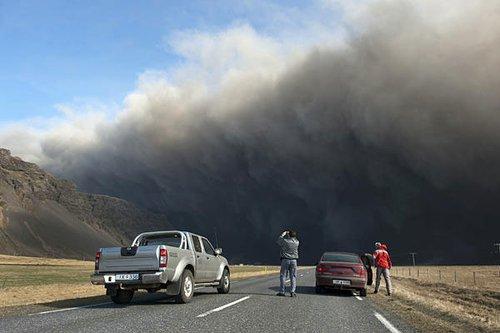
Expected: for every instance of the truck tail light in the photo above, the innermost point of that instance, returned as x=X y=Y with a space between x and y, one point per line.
x=97 y=259
x=163 y=258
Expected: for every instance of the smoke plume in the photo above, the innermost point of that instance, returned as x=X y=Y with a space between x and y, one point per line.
x=391 y=135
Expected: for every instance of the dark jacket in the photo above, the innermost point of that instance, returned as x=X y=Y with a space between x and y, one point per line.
x=289 y=247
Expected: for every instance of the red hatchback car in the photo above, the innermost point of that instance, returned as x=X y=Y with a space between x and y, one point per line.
x=342 y=270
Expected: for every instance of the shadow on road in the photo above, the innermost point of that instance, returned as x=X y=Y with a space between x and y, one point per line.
x=310 y=290
x=140 y=298
x=75 y=302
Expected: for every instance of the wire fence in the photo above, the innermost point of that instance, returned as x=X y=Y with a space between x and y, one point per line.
x=487 y=277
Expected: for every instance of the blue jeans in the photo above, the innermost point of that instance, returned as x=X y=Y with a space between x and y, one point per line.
x=288 y=266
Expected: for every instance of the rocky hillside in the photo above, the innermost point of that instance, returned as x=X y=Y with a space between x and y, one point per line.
x=44 y=216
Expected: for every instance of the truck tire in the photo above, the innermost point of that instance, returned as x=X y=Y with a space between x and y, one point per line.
x=123 y=296
x=362 y=292
x=225 y=282
x=187 y=288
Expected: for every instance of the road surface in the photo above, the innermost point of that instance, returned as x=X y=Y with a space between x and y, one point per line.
x=251 y=306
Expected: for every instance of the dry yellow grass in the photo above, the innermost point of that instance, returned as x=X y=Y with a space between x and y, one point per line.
x=29 y=280
x=17 y=296
x=446 y=306
x=478 y=277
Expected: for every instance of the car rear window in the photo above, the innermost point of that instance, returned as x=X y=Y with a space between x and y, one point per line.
x=167 y=239
x=340 y=257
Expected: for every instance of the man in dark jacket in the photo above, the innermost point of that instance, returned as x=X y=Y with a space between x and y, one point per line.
x=289 y=253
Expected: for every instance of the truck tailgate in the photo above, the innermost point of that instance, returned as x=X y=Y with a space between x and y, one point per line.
x=141 y=258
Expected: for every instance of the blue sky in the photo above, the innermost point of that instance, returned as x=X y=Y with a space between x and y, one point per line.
x=81 y=52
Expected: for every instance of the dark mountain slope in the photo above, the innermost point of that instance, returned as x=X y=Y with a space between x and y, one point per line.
x=42 y=215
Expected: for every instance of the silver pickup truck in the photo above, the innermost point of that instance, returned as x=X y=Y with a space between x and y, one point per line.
x=176 y=261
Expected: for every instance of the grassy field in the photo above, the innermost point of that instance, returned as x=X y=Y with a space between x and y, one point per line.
x=481 y=277
x=429 y=297
x=28 y=280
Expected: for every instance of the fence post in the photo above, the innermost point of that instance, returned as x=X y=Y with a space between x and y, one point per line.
x=455 y=276
x=418 y=272
x=439 y=275
x=409 y=271
x=474 y=276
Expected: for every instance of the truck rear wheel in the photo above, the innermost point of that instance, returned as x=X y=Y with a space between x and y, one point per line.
x=187 y=288
x=225 y=282
x=123 y=296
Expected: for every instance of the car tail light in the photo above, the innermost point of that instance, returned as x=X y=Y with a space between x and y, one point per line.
x=163 y=258
x=321 y=268
x=97 y=259
x=359 y=270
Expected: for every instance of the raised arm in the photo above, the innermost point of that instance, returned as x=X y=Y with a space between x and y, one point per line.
x=281 y=239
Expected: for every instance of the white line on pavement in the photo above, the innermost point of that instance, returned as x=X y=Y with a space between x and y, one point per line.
x=68 y=309
x=386 y=323
x=287 y=280
x=358 y=298
x=223 y=307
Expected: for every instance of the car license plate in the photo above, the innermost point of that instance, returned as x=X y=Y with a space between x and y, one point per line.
x=127 y=277
x=342 y=282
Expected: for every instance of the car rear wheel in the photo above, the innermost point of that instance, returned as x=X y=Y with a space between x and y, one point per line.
x=362 y=292
x=225 y=282
x=123 y=296
x=319 y=290
x=187 y=288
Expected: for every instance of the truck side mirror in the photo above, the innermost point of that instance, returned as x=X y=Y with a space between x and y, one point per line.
x=218 y=251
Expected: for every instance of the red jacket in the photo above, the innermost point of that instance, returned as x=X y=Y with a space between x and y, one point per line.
x=382 y=257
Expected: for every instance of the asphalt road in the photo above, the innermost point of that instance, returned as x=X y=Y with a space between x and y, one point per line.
x=251 y=306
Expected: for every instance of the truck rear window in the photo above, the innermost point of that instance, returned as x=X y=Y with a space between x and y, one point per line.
x=196 y=244
x=169 y=240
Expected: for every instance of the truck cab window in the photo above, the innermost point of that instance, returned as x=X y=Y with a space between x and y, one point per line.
x=197 y=244
x=208 y=247
x=173 y=239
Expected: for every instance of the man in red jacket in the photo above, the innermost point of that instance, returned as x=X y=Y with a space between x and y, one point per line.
x=384 y=264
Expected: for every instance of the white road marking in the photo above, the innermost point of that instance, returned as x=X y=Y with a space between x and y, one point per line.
x=287 y=280
x=358 y=298
x=386 y=323
x=301 y=275
x=68 y=309
x=223 y=307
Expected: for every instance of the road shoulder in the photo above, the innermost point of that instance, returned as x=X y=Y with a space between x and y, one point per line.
x=431 y=307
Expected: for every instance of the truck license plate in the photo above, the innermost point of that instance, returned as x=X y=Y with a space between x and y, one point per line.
x=127 y=277
x=109 y=279
x=342 y=282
